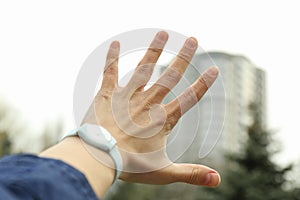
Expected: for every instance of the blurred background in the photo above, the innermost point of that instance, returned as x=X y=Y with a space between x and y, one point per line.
x=255 y=44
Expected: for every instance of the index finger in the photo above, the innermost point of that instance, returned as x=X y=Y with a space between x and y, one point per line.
x=145 y=67
x=175 y=71
x=193 y=94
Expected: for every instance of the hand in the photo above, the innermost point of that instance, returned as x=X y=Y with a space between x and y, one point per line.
x=141 y=123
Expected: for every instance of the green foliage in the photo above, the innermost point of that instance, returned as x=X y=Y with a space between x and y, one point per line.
x=13 y=129
x=132 y=191
x=247 y=175
x=251 y=174
x=5 y=144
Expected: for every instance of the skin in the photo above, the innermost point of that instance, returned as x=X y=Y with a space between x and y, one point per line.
x=140 y=123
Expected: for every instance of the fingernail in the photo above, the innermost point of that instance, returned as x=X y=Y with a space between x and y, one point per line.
x=213 y=71
x=212 y=179
x=114 y=45
x=191 y=43
x=162 y=36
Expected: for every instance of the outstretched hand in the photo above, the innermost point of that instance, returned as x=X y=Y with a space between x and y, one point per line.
x=141 y=124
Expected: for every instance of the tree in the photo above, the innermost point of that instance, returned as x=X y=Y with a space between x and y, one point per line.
x=131 y=191
x=5 y=144
x=14 y=130
x=251 y=173
x=135 y=191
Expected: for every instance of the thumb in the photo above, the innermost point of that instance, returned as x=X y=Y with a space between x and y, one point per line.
x=195 y=174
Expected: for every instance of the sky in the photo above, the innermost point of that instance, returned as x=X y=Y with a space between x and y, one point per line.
x=43 y=44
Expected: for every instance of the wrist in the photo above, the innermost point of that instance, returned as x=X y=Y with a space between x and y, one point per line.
x=72 y=151
x=96 y=139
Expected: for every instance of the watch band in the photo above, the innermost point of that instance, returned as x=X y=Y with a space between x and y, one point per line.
x=100 y=138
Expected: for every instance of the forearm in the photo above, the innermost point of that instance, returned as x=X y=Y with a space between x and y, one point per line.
x=72 y=151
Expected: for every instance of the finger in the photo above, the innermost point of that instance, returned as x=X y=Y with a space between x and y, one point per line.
x=193 y=94
x=110 y=74
x=155 y=49
x=195 y=174
x=145 y=67
x=175 y=71
x=187 y=173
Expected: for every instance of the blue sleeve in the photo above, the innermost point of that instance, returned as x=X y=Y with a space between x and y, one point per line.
x=29 y=177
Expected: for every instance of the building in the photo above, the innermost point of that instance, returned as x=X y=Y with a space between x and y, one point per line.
x=218 y=123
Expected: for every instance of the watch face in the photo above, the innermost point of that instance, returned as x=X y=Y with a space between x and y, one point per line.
x=97 y=137
x=106 y=134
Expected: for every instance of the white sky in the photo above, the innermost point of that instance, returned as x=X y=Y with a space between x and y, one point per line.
x=43 y=45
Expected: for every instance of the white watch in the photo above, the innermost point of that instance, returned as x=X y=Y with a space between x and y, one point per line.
x=100 y=138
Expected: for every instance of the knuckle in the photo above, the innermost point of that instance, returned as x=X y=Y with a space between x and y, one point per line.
x=110 y=69
x=151 y=56
x=202 y=83
x=185 y=56
x=154 y=51
x=143 y=69
x=172 y=120
x=167 y=128
x=110 y=59
x=196 y=176
x=103 y=94
x=189 y=95
x=200 y=87
x=146 y=105
x=173 y=75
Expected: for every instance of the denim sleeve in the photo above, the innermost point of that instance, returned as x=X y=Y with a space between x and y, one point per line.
x=29 y=177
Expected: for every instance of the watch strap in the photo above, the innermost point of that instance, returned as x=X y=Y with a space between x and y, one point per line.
x=101 y=139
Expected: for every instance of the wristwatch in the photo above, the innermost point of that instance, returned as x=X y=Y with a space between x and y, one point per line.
x=100 y=138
